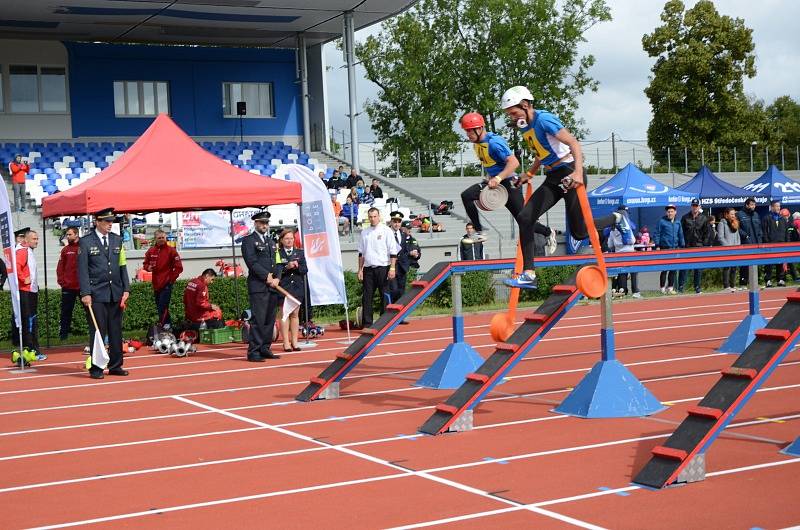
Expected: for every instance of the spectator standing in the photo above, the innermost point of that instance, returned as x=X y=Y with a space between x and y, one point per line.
x=397 y=286
x=729 y=235
x=27 y=278
x=414 y=252
x=621 y=241
x=669 y=235
x=695 y=231
x=67 y=277
x=774 y=231
x=471 y=246
x=197 y=303
x=259 y=254
x=750 y=234
x=19 y=169
x=377 y=262
x=375 y=189
x=291 y=268
x=105 y=287
x=165 y=264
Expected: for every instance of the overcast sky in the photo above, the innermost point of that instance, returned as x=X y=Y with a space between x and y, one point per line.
x=622 y=67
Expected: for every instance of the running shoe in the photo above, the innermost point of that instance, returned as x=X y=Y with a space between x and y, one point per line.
x=637 y=295
x=41 y=357
x=551 y=245
x=523 y=281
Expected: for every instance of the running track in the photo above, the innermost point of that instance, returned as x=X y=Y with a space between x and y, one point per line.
x=212 y=441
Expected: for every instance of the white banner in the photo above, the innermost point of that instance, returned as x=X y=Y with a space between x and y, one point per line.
x=9 y=254
x=213 y=228
x=319 y=229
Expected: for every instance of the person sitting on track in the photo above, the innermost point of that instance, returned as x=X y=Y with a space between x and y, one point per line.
x=559 y=153
x=197 y=306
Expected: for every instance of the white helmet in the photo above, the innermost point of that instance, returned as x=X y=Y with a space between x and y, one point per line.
x=514 y=95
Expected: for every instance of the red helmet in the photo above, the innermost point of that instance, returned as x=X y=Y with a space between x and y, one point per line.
x=472 y=120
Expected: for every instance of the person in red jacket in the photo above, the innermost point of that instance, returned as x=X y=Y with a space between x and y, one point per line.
x=27 y=278
x=19 y=171
x=165 y=264
x=197 y=306
x=67 y=277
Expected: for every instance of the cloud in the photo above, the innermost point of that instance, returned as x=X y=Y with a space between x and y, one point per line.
x=622 y=67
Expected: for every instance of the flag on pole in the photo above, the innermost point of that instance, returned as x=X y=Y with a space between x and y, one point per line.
x=99 y=356
x=290 y=303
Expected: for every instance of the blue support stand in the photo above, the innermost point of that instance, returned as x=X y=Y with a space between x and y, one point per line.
x=744 y=333
x=609 y=390
x=459 y=358
x=793 y=449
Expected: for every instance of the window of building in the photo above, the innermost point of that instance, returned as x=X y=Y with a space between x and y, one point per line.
x=35 y=88
x=257 y=96
x=141 y=98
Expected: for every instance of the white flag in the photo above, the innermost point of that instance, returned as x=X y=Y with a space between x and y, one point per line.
x=319 y=230
x=100 y=356
x=9 y=253
x=290 y=303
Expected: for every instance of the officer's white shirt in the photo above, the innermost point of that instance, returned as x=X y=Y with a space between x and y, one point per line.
x=32 y=267
x=376 y=245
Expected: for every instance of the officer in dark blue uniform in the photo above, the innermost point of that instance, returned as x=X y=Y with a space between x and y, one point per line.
x=259 y=253
x=103 y=276
x=397 y=286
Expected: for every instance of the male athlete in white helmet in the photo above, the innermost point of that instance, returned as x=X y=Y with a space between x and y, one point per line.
x=559 y=153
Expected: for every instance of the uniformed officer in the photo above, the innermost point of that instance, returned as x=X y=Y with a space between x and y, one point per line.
x=258 y=253
x=104 y=284
x=397 y=285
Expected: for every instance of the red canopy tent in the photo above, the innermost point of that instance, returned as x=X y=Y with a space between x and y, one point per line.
x=166 y=171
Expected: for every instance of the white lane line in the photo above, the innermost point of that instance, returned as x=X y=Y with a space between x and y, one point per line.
x=249 y=407
x=535 y=507
x=382 y=344
x=304 y=382
x=88 y=384
x=594 y=494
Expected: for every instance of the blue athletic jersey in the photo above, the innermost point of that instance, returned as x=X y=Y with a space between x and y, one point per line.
x=493 y=152
x=541 y=138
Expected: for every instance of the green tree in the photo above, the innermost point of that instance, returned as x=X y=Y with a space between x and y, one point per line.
x=784 y=121
x=696 y=90
x=443 y=58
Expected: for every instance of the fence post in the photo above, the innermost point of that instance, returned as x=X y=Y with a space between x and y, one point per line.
x=669 y=165
x=702 y=156
x=419 y=165
x=374 y=161
x=461 y=157
x=598 y=160
x=797 y=154
x=735 y=161
x=634 y=156
x=440 y=163
x=651 y=161
x=783 y=161
x=719 y=159
x=766 y=157
x=686 y=160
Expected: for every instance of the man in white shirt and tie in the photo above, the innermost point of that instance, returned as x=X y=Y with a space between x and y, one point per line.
x=377 y=260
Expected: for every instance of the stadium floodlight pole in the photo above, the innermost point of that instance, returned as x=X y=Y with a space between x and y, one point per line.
x=753 y=144
x=349 y=49
x=302 y=59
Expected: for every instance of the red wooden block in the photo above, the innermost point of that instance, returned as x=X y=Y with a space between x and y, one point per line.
x=564 y=288
x=505 y=346
x=670 y=452
x=773 y=334
x=479 y=378
x=318 y=381
x=705 y=412
x=749 y=373
x=396 y=307
x=536 y=317
x=344 y=355
x=419 y=283
x=450 y=409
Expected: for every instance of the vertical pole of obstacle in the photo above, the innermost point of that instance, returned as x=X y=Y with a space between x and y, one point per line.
x=754 y=290
x=458 y=318
x=607 y=327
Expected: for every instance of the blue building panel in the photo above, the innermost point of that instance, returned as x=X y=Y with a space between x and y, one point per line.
x=195 y=76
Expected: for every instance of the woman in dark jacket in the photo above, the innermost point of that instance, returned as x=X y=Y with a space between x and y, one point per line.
x=291 y=268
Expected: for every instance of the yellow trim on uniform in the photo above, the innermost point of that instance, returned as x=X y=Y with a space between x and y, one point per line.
x=123 y=259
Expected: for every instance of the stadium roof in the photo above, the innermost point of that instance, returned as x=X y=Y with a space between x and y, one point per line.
x=267 y=23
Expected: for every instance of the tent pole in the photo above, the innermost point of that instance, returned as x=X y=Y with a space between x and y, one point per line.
x=235 y=276
x=46 y=296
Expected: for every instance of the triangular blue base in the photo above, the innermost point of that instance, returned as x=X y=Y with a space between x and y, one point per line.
x=743 y=335
x=452 y=367
x=610 y=390
x=793 y=449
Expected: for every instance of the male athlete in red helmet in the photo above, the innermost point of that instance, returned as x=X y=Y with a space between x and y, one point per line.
x=500 y=164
